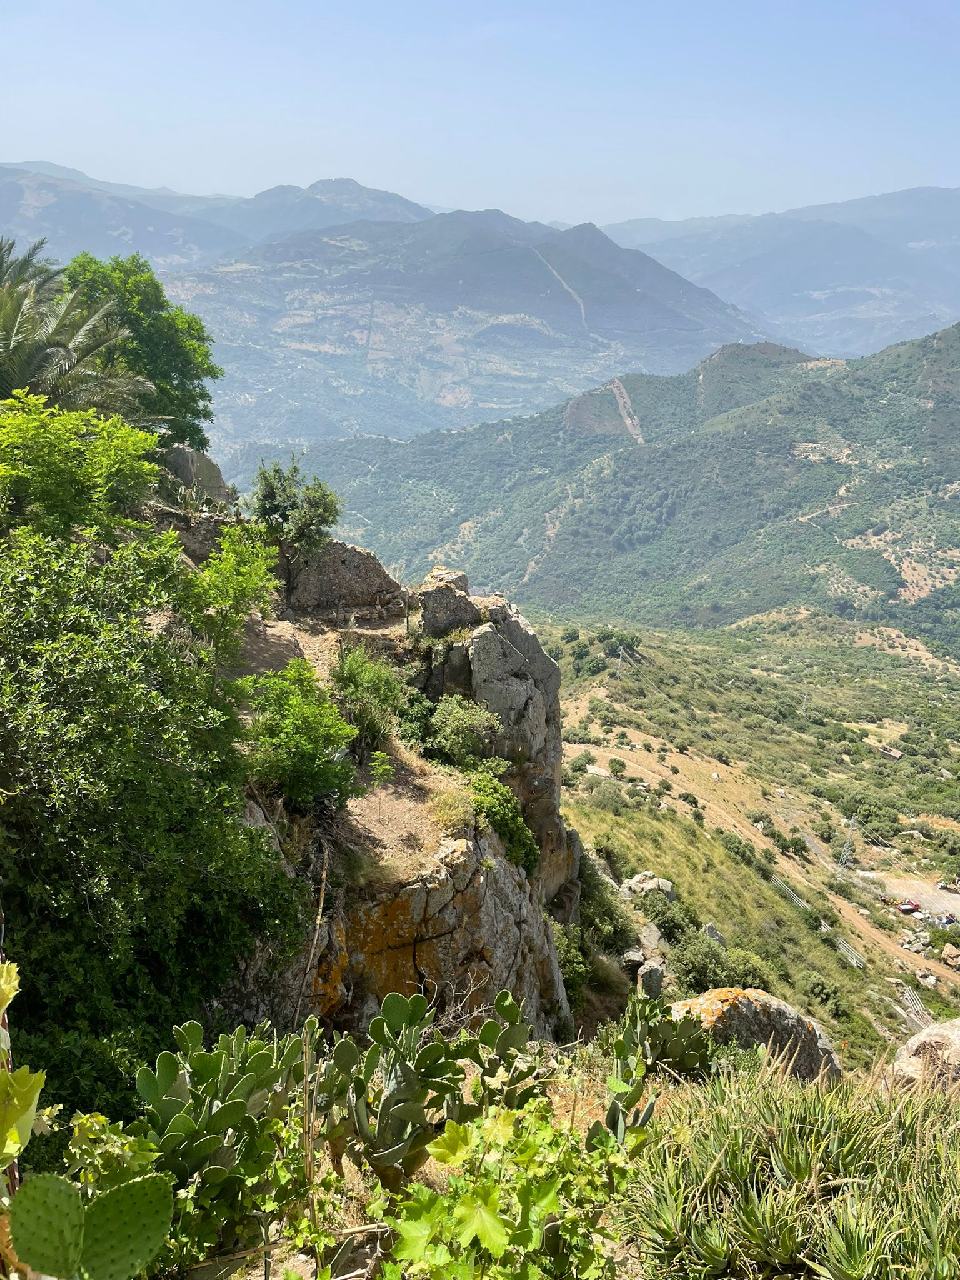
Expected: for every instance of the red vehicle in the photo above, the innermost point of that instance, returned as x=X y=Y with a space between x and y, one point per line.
x=908 y=906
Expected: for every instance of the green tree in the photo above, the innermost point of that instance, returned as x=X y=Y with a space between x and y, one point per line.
x=60 y=470
x=297 y=513
x=163 y=343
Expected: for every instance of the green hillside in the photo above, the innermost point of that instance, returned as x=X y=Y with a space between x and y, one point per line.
x=732 y=762
x=760 y=479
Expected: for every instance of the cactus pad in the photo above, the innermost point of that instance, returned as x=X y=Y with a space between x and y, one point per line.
x=125 y=1227
x=46 y=1225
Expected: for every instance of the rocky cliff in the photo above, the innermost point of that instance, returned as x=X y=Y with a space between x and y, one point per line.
x=459 y=920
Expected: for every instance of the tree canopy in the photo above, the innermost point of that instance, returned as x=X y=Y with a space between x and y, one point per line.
x=163 y=343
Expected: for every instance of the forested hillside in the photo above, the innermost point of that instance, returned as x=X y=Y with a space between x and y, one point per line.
x=760 y=479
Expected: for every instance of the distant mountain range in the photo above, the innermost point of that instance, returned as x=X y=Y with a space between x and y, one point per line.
x=399 y=327
x=339 y=310
x=843 y=279
x=74 y=212
x=761 y=479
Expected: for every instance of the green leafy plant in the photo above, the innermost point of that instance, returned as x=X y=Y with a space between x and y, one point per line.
x=370 y=693
x=524 y=1198
x=62 y=470
x=215 y=1117
x=463 y=731
x=398 y=1089
x=299 y=739
x=496 y=804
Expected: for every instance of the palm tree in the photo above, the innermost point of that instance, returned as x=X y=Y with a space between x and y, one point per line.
x=51 y=345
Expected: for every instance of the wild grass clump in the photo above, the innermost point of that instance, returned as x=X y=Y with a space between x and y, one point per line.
x=754 y=1174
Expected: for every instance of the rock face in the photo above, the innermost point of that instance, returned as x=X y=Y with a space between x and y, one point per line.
x=931 y=1056
x=471 y=926
x=343 y=578
x=446 y=609
x=749 y=1017
x=646 y=882
x=196 y=470
x=503 y=667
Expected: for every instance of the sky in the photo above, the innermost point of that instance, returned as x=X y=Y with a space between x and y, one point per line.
x=597 y=111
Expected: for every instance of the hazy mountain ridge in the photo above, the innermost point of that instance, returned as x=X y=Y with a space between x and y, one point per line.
x=844 y=278
x=380 y=327
x=762 y=478
x=75 y=212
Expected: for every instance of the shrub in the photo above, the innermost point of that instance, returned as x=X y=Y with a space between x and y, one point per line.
x=574 y=966
x=463 y=731
x=415 y=719
x=299 y=739
x=617 y=767
x=605 y=923
x=131 y=887
x=371 y=694
x=699 y=963
x=496 y=803
x=60 y=471
x=235 y=578
x=674 y=919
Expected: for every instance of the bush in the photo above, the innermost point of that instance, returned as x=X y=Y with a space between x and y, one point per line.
x=463 y=731
x=617 y=767
x=235 y=578
x=606 y=924
x=299 y=739
x=60 y=471
x=674 y=919
x=574 y=966
x=371 y=695
x=131 y=886
x=699 y=963
x=496 y=803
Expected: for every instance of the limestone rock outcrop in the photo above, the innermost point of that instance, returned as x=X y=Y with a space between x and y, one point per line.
x=469 y=927
x=748 y=1018
x=503 y=667
x=932 y=1056
x=447 y=609
x=340 y=578
x=195 y=470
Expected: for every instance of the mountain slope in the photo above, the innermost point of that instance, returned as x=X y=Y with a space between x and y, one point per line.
x=75 y=212
x=74 y=216
x=390 y=327
x=758 y=480
x=844 y=278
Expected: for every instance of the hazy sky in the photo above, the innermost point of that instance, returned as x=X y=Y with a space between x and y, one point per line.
x=576 y=111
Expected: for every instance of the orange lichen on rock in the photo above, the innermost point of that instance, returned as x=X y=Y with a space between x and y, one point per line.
x=750 y=1018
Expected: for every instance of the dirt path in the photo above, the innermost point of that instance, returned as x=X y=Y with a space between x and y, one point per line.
x=624 y=404
x=888 y=944
x=572 y=292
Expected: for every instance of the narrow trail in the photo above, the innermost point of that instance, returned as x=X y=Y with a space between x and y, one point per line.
x=572 y=292
x=630 y=419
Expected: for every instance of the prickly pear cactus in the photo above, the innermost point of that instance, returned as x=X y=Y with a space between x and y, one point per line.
x=123 y=1229
x=46 y=1225
x=112 y=1237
